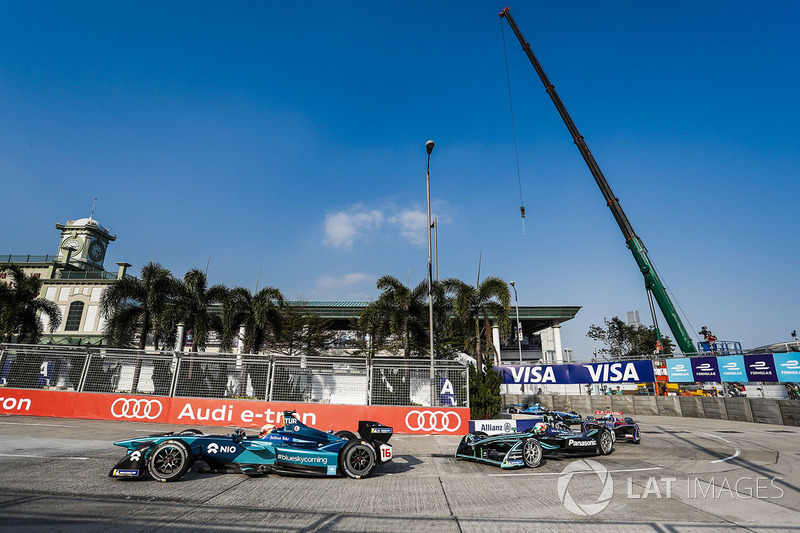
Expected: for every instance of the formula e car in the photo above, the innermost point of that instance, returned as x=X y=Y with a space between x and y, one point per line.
x=510 y=450
x=624 y=428
x=569 y=418
x=292 y=449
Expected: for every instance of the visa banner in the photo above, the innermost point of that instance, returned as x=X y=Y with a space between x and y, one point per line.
x=679 y=370
x=621 y=372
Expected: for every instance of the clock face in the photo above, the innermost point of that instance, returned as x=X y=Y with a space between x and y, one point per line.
x=96 y=251
x=72 y=244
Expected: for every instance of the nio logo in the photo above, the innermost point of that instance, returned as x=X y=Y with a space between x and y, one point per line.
x=136 y=408
x=433 y=421
x=212 y=448
x=136 y=456
x=585 y=466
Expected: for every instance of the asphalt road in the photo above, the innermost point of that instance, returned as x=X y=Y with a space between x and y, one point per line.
x=687 y=475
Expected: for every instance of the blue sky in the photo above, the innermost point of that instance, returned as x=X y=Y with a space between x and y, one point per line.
x=290 y=138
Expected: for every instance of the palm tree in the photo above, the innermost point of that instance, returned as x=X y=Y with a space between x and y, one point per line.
x=404 y=310
x=21 y=308
x=145 y=302
x=193 y=305
x=491 y=298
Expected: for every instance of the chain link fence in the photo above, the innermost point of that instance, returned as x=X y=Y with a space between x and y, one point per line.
x=307 y=379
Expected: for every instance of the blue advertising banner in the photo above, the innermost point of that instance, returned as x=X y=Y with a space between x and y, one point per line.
x=705 y=369
x=731 y=368
x=760 y=367
x=788 y=367
x=627 y=372
x=535 y=374
x=679 y=370
x=622 y=372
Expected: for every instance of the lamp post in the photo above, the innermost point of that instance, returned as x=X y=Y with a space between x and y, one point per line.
x=429 y=147
x=519 y=329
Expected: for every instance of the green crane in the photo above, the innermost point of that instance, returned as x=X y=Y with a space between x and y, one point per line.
x=634 y=243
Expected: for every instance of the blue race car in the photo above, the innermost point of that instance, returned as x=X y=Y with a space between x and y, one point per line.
x=292 y=449
x=624 y=427
x=571 y=418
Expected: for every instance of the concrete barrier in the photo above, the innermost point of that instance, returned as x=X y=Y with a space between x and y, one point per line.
x=644 y=405
x=622 y=404
x=692 y=406
x=581 y=405
x=668 y=406
x=714 y=408
x=790 y=412
x=766 y=411
x=738 y=409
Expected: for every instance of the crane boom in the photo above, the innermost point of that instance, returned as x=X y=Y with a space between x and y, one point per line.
x=651 y=280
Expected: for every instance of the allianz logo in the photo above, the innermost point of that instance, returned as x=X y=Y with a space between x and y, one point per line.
x=487 y=426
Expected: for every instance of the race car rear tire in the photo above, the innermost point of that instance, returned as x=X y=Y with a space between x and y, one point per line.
x=637 y=436
x=605 y=441
x=169 y=460
x=344 y=434
x=532 y=453
x=191 y=431
x=357 y=459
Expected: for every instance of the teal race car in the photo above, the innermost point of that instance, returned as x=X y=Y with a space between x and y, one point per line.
x=292 y=449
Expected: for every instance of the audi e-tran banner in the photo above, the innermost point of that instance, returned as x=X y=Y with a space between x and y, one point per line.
x=191 y=412
x=622 y=372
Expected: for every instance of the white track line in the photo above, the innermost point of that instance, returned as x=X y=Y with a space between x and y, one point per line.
x=42 y=456
x=579 y=472
x=728 y=458
x=736 y=453
x=32 y=424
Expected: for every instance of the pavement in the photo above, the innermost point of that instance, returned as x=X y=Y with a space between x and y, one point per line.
x=687 y=475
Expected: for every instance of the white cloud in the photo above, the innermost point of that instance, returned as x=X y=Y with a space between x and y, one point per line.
x=412 y=225
x=343 y=228
x=331 y=282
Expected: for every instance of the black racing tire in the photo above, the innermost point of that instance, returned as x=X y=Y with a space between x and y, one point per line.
x=605 y=441
x=637 y=435
x=532 y=453
x=191 y=431
x=344 y=434
x=169 y=460
x=357 y=459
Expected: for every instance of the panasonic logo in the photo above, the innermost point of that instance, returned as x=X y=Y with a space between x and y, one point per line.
x=582 y=443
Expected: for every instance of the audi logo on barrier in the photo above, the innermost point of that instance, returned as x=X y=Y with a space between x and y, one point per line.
x=433 y=421
x=136 y=408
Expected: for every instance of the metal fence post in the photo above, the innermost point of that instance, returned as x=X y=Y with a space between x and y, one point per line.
x=85 y=371
x=271 y=380
x=174 y=385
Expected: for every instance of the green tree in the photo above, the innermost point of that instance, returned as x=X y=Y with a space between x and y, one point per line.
x=473 y=304
x=484 y=392
x=21 y=308
x=147 y=302
x=302 y=331
x=404 y=310
x=622 y=340
x=194 y=301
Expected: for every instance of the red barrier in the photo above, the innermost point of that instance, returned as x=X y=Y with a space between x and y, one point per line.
x=221 y=412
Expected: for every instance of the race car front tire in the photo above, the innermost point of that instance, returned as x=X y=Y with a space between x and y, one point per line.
x=169 y=460
x=637 y=437
x=532 y=453
x=605 y=441
x=344 y=434
x=357 y=459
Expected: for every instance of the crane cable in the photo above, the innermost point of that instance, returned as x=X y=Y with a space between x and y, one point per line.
x=514 y=131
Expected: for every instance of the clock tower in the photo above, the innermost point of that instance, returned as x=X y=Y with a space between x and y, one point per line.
x=84 y=241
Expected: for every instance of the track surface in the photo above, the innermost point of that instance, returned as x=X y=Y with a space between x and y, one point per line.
x=688 y=474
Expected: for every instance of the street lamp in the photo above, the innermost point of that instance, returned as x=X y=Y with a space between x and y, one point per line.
x=429 y=147
x=519 y=324
x=519 y=330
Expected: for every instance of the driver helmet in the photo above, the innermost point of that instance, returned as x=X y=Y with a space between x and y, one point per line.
x=265 y=429
x=540 y=427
